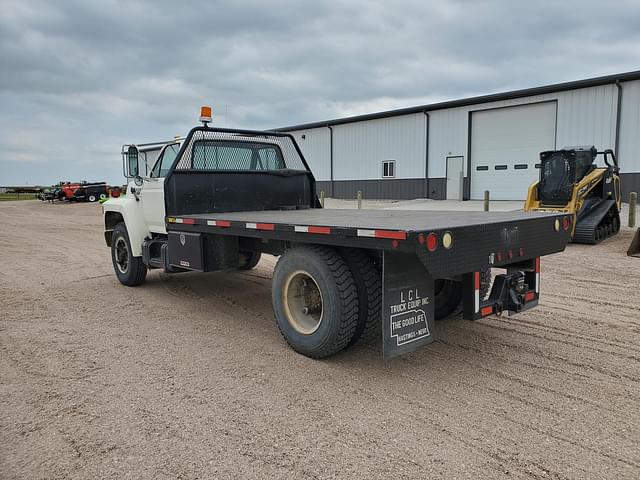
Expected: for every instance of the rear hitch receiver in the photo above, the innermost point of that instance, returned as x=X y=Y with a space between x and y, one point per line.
x=512 y=292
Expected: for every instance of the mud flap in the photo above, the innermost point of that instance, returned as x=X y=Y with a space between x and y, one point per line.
x=407 y=304
x=634 y=248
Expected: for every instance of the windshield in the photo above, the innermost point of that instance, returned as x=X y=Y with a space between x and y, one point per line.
x=557 y=177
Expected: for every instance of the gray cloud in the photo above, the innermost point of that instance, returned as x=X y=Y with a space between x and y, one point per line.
x=79 y=78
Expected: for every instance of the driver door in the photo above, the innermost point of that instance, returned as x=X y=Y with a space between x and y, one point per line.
x=152 y=192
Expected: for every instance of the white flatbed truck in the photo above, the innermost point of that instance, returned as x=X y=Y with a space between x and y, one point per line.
x=220 y=198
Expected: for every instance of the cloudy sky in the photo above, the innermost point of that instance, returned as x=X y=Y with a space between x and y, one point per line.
x=80 y=78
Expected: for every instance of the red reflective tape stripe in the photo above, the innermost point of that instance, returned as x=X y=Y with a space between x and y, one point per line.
x=223 y=223
x=486 y=311
x=265 y=226
x=476 y=280
x=188 y=221
x=529 y=296
x=395 y=235
x=537 y=264
x=323 y=230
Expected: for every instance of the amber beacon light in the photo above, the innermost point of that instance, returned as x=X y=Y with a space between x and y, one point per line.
x=205 y=115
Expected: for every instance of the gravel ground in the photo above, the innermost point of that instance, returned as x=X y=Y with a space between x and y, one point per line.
x=188 y=377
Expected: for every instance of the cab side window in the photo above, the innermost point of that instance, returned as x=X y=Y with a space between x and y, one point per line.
x=162 y=166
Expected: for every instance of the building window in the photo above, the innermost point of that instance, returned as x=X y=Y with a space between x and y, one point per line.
x=388 y=169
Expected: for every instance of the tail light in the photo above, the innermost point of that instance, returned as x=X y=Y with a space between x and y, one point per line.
x=432 y=242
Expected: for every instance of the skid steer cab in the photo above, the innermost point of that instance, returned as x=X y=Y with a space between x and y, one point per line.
x=220 y=198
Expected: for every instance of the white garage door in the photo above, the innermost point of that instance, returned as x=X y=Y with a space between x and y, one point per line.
x=505 y=148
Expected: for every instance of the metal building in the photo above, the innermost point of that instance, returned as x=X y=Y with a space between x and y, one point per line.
x=458 y=149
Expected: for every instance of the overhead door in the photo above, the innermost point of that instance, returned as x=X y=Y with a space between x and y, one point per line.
x=505 y=148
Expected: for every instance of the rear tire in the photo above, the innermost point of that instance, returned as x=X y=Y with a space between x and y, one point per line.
x=369 y=284
x=249 y=260
x=315 y=300
x=130 y=270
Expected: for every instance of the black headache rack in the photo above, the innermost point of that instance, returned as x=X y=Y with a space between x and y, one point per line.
x=222 y=170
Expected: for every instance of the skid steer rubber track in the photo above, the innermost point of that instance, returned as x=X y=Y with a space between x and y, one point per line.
x=600 y=223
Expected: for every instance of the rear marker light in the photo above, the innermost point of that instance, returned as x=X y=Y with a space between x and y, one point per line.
x=510 y=254
x=566 y=223
x=447 y=240
x=432 y=242
x=421 y=239
x=521 y=252
x=486 y=311
x=529 y=296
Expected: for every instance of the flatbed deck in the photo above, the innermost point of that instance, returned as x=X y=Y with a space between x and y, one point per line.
x=405 y=220
x=479 y=239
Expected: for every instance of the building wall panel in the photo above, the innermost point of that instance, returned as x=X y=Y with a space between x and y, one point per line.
x=316 y=148
x=360 y=148
x=629 y=155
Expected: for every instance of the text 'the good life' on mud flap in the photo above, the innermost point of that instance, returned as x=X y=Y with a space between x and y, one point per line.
x=407 y=304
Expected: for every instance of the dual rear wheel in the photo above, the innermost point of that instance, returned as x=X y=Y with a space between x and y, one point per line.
x=326 y=300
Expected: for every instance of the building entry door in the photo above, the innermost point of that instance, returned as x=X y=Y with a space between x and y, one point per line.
x=455 y=177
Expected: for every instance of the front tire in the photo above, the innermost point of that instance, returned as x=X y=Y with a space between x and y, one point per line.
x=92 y=198
x=249 y=260
x=315 y=300
x=130 y=270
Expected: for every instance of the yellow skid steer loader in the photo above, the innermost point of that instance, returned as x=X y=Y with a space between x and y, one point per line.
x=571 y=182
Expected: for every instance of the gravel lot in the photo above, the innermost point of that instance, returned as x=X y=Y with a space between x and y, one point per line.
x=188 y=377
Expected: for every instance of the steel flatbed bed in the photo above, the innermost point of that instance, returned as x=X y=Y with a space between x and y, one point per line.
x=392 y=219
x=479 y=239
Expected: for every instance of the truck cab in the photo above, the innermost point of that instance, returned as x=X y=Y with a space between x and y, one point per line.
x=142 y=207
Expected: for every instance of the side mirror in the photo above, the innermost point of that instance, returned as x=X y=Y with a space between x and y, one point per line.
x=132 y=162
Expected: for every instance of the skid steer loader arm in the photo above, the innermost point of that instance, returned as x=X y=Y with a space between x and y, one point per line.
x=634 y=248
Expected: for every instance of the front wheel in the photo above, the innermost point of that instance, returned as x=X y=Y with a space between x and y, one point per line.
x=130 y=270
x=92 y=198
x=248 y=260
x=315 y=300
